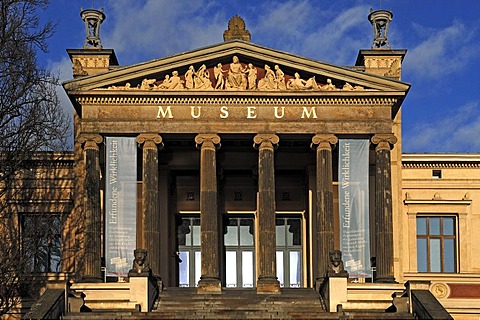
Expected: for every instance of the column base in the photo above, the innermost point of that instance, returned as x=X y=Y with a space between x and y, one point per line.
x=209 y=285
x=268 y=285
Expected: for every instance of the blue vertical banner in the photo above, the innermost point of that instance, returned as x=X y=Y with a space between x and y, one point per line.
x=353 y=195
x=120 y=204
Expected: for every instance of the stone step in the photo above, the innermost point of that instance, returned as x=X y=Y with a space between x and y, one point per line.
x=111 y=304
x=372 y=305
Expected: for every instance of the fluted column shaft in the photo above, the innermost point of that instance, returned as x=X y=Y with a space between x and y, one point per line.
x=324 y=203
x=383 y=208
x=267 y=277
x=209 y=230
x=150 y=198
x=92 y=220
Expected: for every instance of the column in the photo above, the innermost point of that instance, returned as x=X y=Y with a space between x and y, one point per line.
x=383 y=208
x=150 y=198
x=267 y=273
x=209 y=230
x=324 y=204
x=92 y=220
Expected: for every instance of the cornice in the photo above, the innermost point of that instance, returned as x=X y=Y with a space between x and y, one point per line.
x=235 y=100
x=440 y=160
x=440 y=165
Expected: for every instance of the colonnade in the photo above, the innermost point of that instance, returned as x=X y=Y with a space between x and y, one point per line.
x=265 y=143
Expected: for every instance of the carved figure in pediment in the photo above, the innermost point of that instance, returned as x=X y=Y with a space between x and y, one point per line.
x=165 y=83
x=268 y=81
x=127 y=86
x=171 y=83
x=175 y=82
x=298 y=83
x=251 y=76
x=148 y=84
x=219 y=77
x=202 y=79
x=280 y=78
x=189 y=77
x=329 y=86
x=348 y=87
x=236 y=75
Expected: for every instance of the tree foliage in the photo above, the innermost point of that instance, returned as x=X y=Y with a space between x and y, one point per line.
x=31 y=121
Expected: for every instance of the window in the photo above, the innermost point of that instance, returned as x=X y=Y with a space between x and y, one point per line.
x=436 y=244
x=436 y=174
x=41 y=241
x=289 y=251
x=189 y=254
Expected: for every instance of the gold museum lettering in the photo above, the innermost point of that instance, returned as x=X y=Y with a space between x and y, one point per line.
x=248 y=112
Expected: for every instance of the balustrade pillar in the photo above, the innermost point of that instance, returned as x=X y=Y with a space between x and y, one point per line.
x=209 y=229
x=267 y=277
x=150 y=198
x=91 y=264
x=324 y=204
x=383 y=208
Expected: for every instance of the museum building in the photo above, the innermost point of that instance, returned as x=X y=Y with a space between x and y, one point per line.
x=237 y=170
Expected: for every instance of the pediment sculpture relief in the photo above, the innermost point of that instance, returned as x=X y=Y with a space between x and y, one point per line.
x=236 y=76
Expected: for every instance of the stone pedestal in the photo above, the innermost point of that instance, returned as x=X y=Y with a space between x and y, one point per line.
x=210 y=278
x=267 y=276
x=143 y=291
x=334 y=290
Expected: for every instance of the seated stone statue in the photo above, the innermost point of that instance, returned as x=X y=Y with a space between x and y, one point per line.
x=140 y=266
x=336 y=265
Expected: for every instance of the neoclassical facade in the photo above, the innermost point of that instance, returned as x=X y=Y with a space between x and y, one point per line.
x=240 y=166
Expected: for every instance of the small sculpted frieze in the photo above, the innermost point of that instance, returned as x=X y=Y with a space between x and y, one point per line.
x=236 y=76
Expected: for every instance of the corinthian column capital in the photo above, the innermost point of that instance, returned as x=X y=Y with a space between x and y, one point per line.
x=384 y=141
x=323 y=141
x=266 y=140
x=150 y=140
x=208 y=140
x=90 y=140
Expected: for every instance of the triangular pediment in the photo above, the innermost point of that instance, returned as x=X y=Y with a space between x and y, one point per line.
x=242 y=66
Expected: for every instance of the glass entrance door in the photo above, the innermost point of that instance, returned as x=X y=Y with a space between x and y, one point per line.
x=239 y=253
x=289 y=251
x=189 y=254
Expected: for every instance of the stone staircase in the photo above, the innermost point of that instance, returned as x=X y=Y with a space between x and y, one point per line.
x=178 y=303
x=371 y=296
x=185 y=303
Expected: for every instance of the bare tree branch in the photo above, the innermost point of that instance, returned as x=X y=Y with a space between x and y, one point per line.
x=31 y=120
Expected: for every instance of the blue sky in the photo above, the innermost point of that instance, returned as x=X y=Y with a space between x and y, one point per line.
x=441 y=112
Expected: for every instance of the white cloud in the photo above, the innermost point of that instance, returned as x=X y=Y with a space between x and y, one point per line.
x=305 y=28
x=455 y=131
x=338 y=40
x=156 y=28
x=283 y=24
x=443 y=52
x=152 y=29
